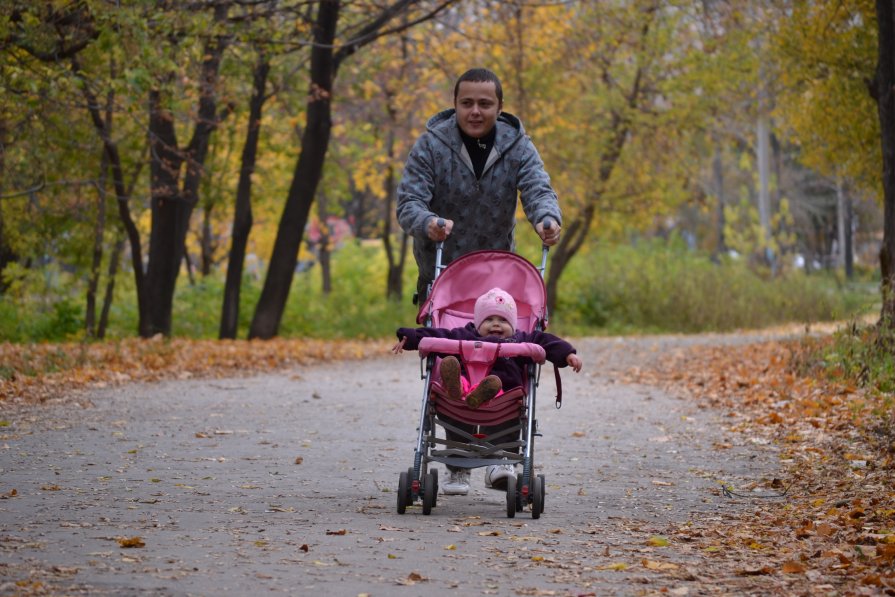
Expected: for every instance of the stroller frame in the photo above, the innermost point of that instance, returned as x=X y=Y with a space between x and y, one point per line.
x=496 y=435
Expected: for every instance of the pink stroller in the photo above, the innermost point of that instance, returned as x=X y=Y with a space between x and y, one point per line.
x=449 y=305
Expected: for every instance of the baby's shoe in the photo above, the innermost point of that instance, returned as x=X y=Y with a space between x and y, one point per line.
x=450 y=377
x=485 y=391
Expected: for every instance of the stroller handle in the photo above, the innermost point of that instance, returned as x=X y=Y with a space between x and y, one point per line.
x=548 y=224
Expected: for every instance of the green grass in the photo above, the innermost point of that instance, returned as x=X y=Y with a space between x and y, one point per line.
x=859 y=354
x=652 y=287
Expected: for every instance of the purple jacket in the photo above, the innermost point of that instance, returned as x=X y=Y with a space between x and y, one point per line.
x=508 y=369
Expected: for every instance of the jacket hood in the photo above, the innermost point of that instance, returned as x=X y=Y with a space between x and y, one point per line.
x=445 y=128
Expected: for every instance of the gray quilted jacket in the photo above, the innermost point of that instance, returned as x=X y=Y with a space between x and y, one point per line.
x=439 y=181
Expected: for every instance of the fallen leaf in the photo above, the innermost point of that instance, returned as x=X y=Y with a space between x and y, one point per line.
x=412 y=579
x=793 y=567
x=755 y=571
x=339 y=532
x=131 y=542
x=616 y=566
x=654 y=565
x=299 y=460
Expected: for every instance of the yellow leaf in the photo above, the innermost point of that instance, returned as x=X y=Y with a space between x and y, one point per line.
x=450 y=547
x=659 y=541
x=616 y=566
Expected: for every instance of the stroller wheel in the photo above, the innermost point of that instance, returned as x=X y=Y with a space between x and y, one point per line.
x=512 y=492
x=537 y=497
x=543 y=491
x=520 y=504
x=434 y=473
x=429 y=491
x=403 y=492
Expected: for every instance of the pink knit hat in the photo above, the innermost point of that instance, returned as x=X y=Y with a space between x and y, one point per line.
x=495 y=302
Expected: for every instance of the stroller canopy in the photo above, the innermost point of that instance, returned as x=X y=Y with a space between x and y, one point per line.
x=452 y=300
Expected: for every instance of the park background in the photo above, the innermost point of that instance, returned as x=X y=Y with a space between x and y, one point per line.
x=228 y=169
x=179 y=176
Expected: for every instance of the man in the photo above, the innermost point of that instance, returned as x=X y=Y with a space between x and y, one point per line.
x=469 y=169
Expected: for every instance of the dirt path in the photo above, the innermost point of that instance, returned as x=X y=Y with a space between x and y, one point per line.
x=285 y=483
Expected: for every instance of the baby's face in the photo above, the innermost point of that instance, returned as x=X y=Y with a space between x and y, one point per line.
x=495 y=325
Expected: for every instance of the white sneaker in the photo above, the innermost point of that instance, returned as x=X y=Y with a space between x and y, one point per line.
x=497 y=475
x=458 y=484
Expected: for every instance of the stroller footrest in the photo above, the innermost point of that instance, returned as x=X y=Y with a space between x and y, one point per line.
x=460 y=462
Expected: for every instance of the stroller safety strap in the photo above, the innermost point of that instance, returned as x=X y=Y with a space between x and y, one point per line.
x=558 y=387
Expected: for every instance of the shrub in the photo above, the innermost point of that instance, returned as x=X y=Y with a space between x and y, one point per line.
x=661 y=286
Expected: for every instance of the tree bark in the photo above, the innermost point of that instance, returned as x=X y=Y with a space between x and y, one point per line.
x=885 y=92
x=242 y=219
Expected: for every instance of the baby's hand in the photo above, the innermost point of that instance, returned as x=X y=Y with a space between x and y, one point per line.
x=398 y=348
x=574 y=361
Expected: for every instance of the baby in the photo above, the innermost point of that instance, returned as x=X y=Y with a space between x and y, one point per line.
x=494 y=320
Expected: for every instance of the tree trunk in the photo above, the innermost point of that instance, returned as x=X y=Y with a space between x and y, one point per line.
x=122 y=196
x=6 y=255
x=315 y=139
x=206 y=259
x=170 y=217
x=172 y=206
x=242 y=219
x=324 y=255
x=885 y=96
x=845 y=254
x=574 y=234
x=314 y=142
x=718 y=174
x=110 y=288
x=99 y=229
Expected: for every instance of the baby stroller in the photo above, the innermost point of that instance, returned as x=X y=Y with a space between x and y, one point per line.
x=450 y=304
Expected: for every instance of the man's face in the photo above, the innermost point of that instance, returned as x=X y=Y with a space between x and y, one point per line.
x=477 y=107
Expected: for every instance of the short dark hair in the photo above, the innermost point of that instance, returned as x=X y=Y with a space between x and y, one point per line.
x=480 y=75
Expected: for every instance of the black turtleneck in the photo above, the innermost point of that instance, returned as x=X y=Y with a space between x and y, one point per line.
x=479 y=149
